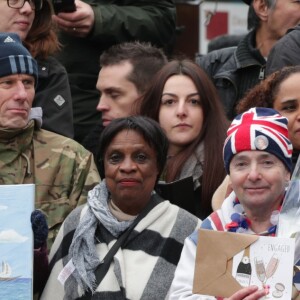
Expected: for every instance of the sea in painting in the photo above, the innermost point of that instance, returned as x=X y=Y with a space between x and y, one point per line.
x=17 y=289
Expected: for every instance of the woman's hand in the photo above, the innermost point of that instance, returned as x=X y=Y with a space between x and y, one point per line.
x=78 y=23
x=248 y=293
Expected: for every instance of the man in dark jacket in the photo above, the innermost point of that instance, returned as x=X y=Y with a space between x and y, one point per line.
x=286 y=52
x=93 y=28
x=126 y=72
x=237 y=69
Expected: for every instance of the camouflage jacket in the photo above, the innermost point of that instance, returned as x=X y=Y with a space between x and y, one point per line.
x=61 y=169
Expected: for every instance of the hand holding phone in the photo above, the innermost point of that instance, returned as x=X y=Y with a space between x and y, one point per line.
x=64 y=6
x=76 y=24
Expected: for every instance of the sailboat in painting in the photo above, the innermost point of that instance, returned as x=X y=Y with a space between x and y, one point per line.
x=5 y=275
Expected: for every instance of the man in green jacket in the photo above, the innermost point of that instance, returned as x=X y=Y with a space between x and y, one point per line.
x=61 y=169
x=93 y=28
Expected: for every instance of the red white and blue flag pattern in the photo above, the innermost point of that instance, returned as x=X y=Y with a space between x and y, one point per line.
x=258 y=129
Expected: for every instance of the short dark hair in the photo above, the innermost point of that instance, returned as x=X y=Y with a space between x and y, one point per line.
x=146 y=60
x=146 y=127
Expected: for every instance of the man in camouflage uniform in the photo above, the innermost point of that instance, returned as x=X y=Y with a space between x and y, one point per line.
x=61 y=169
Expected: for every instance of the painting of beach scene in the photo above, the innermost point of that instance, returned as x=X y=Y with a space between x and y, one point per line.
x=16 y=241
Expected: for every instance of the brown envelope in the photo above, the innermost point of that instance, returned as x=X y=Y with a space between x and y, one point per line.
x=213 y=267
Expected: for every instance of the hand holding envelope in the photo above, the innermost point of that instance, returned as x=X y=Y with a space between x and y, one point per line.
x=214 y=276
x=228 y=263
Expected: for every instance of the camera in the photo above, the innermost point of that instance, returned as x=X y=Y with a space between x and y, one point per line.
x=63 y=6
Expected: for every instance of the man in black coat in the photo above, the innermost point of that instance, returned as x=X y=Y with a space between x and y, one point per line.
x=235 y=70
x=286 y=52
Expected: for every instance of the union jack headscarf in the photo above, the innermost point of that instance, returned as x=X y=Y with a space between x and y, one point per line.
x=261 y=129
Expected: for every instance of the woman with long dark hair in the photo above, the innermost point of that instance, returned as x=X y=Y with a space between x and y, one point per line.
x=185 y=103
x=125 y=242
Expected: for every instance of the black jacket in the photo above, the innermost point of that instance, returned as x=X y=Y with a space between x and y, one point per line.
x=286 y=52
x=53 y=95
x=234 y=71
x=92 y=143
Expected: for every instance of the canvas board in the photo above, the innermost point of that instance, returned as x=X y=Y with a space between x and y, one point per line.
x=16 y=241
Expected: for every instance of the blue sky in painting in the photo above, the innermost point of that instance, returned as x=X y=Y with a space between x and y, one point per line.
x=16 y=205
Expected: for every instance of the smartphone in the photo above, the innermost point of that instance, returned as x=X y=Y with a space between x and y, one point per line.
x=63 y=6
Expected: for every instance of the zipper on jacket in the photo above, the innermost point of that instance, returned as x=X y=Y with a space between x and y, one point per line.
x=261 y=75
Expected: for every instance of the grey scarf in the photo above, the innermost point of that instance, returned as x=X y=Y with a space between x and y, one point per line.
x=83 y=248
x=193 y=167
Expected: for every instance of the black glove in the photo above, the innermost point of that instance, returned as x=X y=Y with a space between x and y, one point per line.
x=39 y=228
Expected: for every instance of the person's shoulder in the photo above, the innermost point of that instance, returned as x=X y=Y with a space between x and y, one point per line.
x=218 y=61
x=56 y=137
x=194 y=237
x=297 y=28
x=54 y=63
x=219 y=55
x=293 y=35
x=293 y=31
x=224 y=41
x=206 y=224
x=91 y=141
x=187 y=214
x=56 y=140
x=49 y=60
x=285 y=52
x=182 y=214
x=77 y=213
x=50 y=65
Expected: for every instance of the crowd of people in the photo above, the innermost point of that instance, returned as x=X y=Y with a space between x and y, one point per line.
x=132 y=150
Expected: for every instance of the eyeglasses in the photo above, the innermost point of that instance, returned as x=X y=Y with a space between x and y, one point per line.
x=34 y=4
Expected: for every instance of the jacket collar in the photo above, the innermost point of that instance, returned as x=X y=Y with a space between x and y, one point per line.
x=246 y=53
x=17 y=138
